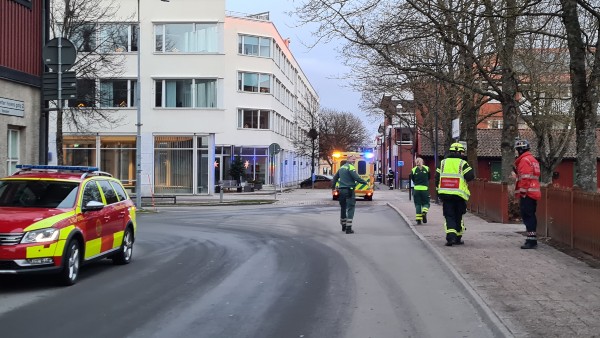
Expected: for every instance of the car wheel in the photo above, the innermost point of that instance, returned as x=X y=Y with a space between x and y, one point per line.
x=126 y=251
x=71 y=264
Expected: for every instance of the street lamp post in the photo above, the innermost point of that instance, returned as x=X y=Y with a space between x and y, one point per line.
x=138 y=124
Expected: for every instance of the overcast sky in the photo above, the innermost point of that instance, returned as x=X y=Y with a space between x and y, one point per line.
x=320 y=64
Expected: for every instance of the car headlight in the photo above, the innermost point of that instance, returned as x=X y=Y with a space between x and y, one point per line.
x=41 y=236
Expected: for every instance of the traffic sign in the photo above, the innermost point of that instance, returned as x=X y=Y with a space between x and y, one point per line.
x=59 y=48
x=274 y=149
x=68 y=86
x=400 y=163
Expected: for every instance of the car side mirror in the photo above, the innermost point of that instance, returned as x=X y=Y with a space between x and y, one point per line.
x=93 y=206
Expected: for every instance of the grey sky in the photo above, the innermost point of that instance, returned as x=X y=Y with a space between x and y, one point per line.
x=320 y=64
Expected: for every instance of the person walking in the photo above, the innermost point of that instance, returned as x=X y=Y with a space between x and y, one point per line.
x=347 y=178
x=390 y=177
x=451 y=179
x=527 y=190
x=420 y=176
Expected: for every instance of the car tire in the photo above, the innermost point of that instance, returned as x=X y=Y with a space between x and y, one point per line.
x=69 y=273
x=123 y=256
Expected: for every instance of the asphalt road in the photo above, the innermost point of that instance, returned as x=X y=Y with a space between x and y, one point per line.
x=254 y=271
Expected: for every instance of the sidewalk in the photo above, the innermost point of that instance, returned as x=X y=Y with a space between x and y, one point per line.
x=534 y=293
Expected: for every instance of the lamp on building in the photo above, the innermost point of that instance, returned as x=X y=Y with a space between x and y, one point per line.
x=138 y=124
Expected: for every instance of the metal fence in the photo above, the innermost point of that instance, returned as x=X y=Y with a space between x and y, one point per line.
x=568 y=216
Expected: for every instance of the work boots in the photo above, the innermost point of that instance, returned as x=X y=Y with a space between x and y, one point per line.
x=349 y=227
x=343 y=223
x=531 y=241
x=425 y=217
x=529 y=244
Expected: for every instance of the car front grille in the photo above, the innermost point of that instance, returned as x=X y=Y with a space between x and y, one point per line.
x=10 y=239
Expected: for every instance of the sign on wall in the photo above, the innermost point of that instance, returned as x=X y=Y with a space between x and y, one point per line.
x=12 y=107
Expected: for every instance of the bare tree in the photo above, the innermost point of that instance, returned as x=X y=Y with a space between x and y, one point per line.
x=99 y=47
x=341 y=131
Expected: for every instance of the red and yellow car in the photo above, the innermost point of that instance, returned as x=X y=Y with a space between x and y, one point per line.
x=57 y=218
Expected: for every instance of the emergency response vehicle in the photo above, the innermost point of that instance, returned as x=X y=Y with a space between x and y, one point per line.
x=57 y=218
x=365 y=168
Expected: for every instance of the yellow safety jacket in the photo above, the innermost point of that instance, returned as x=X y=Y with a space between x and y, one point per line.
x=452 y=180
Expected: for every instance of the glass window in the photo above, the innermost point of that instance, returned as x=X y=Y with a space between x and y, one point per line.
x=119 y=191
x=253 y=118
x=14 y=136
x=79 y=151
x=84 y=37
x=86 y=94
x=117 y=157
x=118 y=93
x=362 y=167
x=265 y=47
x=254 y=82
x=113 y=38
x=173 y=164
x=179 y=93
x=91 y=193
x=254 y=45
x=206 y=93
x=186 y=38
x=109 y=193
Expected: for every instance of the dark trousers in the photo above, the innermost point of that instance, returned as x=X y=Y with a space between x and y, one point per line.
x=528 y=206
x=347 y=203
x=454 y=207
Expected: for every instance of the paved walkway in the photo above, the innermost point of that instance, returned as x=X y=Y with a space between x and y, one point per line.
x=533 y=293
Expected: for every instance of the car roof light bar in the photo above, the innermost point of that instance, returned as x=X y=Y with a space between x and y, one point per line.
x=56 y=167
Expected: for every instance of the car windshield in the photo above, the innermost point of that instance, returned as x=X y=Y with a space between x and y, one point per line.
x=38 y=194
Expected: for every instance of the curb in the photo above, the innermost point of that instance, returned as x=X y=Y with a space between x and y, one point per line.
x=499 y=328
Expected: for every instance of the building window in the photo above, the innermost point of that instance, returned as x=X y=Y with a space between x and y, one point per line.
x=14 y=136
x=253 y=119
x=84 y=37
x=186 y=38
x=86 y=94
x=118 y=93
x=117 y=38
x=117 y=156
x=173 y=164
x=254 y=45
x=254 y=82
x=495 y=124
x=187 y=93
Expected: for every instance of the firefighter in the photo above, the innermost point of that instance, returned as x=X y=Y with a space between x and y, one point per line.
x=346 y=179
x=420 y=176
x=390 y=177
x=527 y=190
x=451 y=181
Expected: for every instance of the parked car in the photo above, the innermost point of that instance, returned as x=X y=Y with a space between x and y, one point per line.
x=57 y=218
x=321 y=181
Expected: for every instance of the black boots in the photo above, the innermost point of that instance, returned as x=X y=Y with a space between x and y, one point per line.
x=425 y=217
x=529 y=245
x=343 y=223
x=418 y=222
x=349 y=227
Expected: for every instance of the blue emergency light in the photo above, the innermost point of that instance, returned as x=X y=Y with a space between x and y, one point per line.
x=56 y=167
x=369 y=155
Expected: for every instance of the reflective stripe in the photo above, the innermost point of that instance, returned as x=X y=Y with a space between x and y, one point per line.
x=421 y=187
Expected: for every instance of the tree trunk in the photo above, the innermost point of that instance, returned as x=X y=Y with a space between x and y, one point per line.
x=585 y=99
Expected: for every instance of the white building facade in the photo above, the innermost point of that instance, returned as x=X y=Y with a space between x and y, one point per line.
x=214 y=88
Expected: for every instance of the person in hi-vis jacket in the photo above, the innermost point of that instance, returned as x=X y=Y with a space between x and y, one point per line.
x=451 y=181
x=346 y=179
x=420 y=176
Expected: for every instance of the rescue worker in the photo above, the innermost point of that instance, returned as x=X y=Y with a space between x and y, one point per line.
x=527 y=190
x=451 y=181
x=420 y=176
x=347 y=178
x=390 y=177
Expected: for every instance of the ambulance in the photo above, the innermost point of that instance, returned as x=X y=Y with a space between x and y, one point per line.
x=365 y=168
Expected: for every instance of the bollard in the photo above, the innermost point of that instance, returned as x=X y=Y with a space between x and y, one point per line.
x=221 y=195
